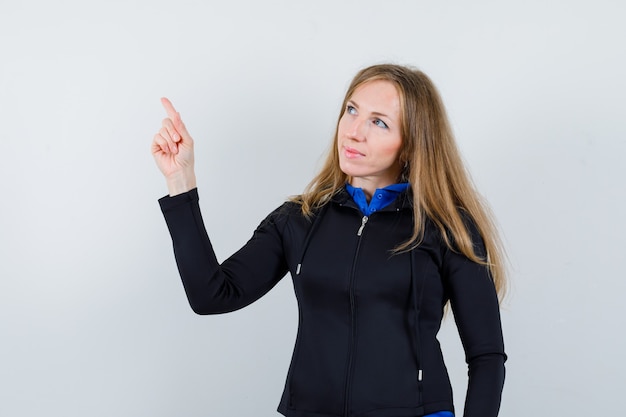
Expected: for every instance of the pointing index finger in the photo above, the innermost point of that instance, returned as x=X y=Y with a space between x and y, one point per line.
x=169 y=108
x=174 y=116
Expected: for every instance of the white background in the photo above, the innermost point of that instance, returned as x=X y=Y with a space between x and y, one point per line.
x=93 y=318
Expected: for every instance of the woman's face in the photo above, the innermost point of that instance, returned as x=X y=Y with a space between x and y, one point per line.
x=368 y=136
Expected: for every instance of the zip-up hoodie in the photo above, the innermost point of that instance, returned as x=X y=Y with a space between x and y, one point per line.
x=368 y=318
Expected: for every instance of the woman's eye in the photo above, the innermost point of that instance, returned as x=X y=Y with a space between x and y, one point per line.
x=350 y=109
x=380 y=123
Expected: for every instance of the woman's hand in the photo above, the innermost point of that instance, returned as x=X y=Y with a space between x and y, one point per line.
x=172 y=149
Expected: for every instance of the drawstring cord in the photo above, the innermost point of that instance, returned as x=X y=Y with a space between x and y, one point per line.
x=309 y=235
x=416 y=311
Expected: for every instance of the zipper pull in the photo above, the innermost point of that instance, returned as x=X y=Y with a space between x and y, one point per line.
x=363 y=221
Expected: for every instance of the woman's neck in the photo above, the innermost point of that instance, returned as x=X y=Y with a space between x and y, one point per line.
x=368 y=186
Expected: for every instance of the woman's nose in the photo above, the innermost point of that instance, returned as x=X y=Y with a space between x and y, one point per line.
x=357 y=129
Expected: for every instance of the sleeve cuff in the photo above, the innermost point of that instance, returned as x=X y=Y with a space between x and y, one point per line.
x=168 y=203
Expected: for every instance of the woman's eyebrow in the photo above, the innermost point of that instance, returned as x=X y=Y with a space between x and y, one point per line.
x=375 y=113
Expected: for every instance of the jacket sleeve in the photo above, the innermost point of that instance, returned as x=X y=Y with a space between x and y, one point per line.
x=476 y=311
x=243 y=278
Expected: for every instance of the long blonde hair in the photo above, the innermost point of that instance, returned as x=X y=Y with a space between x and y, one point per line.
x=442 y=189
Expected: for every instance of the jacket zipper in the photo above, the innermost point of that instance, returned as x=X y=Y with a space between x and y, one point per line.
x=353 y=323
x=363 y=221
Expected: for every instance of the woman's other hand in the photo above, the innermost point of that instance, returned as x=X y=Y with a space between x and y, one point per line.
x=172 y=148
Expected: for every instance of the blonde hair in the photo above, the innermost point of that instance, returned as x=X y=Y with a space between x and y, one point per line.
x=442 y=189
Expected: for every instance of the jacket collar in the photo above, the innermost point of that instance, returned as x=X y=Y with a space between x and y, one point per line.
x=404 y=200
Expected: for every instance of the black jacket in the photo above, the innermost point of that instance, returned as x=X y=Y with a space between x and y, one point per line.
x=368 y=319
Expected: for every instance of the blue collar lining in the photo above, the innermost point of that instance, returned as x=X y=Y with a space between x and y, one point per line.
x=382 y=197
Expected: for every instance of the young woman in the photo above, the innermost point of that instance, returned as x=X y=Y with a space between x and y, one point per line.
x=387 y=234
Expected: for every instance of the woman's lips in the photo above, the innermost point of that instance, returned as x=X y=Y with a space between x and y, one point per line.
x=352 y=153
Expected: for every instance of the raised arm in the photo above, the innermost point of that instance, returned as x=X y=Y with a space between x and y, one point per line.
x=211 y=287
x=241 y=279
